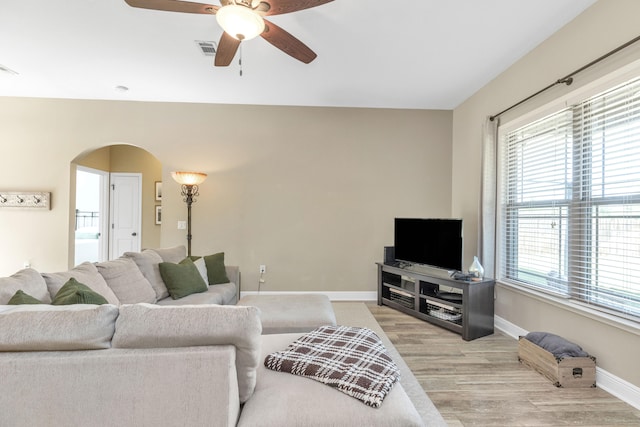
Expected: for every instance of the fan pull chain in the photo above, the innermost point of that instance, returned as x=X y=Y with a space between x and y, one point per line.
x=240 y=60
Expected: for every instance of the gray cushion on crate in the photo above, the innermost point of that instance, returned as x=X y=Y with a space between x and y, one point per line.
x=556 y=345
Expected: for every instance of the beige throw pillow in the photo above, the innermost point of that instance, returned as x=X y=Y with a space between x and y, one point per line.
x=148 y=262
x=28 y=281
x=85 y=273
x=126 y=281
x=173 y=255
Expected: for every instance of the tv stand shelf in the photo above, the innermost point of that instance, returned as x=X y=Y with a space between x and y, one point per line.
x=464 y=307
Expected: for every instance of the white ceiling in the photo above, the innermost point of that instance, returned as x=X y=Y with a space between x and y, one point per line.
x=424 y=54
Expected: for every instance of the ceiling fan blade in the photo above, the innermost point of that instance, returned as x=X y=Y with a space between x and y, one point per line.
x=227 y=48
x=174 y=6
x=287 y=43
x=278 y=7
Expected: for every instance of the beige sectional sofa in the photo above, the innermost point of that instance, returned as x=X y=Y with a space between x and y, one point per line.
x=136 y=365
x=130 y=279
x=160 y=362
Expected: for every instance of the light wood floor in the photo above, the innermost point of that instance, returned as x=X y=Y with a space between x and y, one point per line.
x=481 y=382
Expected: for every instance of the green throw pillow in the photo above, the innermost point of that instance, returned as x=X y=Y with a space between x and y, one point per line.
x=74 y=292
x=182 y=279
x=215 y=269
x=20 y=298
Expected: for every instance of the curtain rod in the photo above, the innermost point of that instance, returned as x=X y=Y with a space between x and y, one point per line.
x=568 y=79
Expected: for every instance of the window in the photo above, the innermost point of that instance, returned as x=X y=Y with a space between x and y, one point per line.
x=570 y=202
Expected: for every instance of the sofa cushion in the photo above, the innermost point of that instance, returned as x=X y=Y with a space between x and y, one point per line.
x=28 y=280
x=169 y=387
x=215 y=269
x=125 y=279
x=149 y=326
x=85 y=273
x=287 y=400
x=148 y=262
x=21 y=297
x=174 y=254
x=224 y=294
x=48 y=327
x=292 y=312
x=233 y=273
x=182 y=279
x=74 y=292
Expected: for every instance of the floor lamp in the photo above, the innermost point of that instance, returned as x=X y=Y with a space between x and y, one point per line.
x=189 y=182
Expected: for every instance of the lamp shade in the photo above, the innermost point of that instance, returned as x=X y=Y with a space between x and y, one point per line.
x=240 y=22
x=189 y=178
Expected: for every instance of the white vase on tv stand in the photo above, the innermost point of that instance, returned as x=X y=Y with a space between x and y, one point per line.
x=476 y=269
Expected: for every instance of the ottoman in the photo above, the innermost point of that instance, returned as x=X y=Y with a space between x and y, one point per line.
x=291 y=312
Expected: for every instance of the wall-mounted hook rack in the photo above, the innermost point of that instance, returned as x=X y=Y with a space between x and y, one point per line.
x=25 y=199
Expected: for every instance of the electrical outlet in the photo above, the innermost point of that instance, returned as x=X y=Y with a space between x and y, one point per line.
x=182 y=225
x=263 y=269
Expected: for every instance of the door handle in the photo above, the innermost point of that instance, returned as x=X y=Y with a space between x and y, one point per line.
x=134 y=234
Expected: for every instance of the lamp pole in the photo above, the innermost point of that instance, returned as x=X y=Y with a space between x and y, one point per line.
x=189 y=192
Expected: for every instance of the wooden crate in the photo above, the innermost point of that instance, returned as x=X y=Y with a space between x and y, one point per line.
x=569 y=372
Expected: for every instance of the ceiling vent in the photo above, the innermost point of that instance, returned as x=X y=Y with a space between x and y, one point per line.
x=207 y=48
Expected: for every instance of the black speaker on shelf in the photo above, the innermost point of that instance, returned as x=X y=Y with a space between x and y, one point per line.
x=389 y=254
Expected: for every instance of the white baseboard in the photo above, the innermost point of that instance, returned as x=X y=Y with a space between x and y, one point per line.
x=508 y=328
x=618 y=387
x=333 y=296
x=610 y=383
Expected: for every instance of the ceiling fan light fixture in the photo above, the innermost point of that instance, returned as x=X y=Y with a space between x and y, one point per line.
x=240 y=22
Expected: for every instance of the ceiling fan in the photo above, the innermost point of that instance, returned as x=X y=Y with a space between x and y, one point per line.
x=243 y=20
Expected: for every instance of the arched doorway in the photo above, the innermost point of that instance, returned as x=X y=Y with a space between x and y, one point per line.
x=115 y=162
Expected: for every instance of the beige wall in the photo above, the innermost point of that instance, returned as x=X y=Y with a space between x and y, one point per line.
x=600 y=29
x=310 y=192
x=97 y=159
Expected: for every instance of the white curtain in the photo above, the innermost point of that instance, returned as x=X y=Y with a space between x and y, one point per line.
x=489 y=198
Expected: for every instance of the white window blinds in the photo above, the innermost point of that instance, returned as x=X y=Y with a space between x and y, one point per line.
x=570 y=202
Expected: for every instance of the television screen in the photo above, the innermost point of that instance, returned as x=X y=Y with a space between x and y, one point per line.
x=429 y=241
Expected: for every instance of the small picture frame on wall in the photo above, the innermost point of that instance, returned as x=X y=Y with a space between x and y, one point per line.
x=158 y=215
x=158 y=191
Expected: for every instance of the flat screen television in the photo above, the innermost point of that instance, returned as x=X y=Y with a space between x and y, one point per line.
x=429 y=241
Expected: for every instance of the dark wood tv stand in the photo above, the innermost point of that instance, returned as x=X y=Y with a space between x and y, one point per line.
x=464 y=307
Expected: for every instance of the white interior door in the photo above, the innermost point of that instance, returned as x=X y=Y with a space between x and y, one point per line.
x=126 y=219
